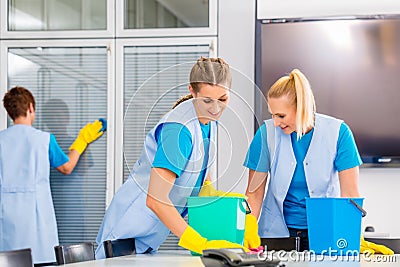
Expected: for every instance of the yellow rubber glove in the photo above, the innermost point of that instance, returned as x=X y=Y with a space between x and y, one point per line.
x=193 y=241
x=251 y=237
x=372 y=248
x=87 y=134
x=208 y=190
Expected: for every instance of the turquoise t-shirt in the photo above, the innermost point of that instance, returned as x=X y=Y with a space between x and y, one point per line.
x=294 y=205
x=57 y=157
x=175 y=147
x=294 y=210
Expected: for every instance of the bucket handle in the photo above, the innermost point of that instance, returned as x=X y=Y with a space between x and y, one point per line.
x=363 y=212
x=248 y=209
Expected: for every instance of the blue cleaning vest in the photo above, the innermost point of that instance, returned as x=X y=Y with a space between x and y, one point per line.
x=27 y=218
x=321 y=176
x=128 y=216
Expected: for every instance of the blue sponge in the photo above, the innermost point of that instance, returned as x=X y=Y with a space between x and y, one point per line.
x=104 y=123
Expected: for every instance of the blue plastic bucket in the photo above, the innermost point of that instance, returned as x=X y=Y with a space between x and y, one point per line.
x=334 y=225
x=218 y=218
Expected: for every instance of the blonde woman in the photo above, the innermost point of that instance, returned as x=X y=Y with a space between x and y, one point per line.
x=174 y=165
x=304 y=153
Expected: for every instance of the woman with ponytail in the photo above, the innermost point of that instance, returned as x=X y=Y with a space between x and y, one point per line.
x=176 y=160
x=305 y=154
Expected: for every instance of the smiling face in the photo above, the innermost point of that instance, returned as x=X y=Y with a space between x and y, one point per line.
x=283 y=113
x=209 y=101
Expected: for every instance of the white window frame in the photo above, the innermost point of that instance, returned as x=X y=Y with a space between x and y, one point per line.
x=211 y=30
x=110 y=44
x=56 y=34
x=119 y=91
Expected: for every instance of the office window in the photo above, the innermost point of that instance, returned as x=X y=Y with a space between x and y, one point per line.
x=147 y=14
x=154 y=78
x=54 y=15
x=70 y=88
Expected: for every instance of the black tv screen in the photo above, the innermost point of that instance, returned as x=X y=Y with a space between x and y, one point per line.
x=353 y=66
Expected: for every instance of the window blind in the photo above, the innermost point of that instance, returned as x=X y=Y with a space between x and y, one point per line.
x=70 y=89
x=154 y=78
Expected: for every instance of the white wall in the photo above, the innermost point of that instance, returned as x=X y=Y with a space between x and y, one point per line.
x=236 y=20
x=380 y=187
x=236 y=44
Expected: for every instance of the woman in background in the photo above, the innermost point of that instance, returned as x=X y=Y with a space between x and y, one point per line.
x=27 y=218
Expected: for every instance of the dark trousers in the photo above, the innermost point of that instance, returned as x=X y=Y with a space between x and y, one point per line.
x=303 y=234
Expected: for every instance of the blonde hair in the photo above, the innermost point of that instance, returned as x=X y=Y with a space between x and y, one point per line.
x=296 y=87
x=214 y=71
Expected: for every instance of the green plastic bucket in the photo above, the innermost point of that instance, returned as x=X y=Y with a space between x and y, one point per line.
x=218 y=218
x=334 y=225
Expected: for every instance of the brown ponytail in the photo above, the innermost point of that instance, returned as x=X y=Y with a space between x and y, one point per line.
x=181 y=100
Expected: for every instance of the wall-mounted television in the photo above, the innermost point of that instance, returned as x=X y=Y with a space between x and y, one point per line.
x=353 y=65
